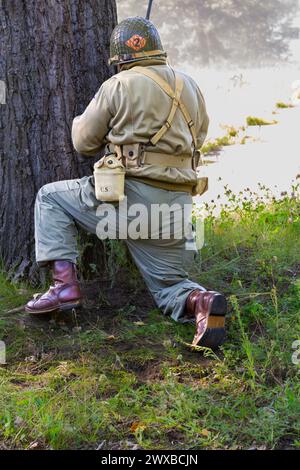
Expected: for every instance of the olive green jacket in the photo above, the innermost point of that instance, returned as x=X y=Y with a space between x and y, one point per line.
x=130 y=108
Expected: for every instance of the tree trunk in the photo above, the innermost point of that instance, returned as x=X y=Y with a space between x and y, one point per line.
x=53 y=58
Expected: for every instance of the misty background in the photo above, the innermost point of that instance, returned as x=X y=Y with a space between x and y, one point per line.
x=245 y=56
x=226 y=33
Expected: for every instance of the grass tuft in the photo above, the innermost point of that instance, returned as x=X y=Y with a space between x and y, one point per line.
x=281 y=105
x=255 y=121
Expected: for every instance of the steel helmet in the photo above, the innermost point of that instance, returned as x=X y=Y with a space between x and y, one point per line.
x=134 y=39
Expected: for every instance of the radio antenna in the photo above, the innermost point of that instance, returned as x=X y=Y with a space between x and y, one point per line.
x=149 y=9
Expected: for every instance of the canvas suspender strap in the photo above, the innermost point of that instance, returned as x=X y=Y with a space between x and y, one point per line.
x=177 y=102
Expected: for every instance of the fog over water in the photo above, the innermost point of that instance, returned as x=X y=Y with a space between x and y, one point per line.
x=253 y=73
x=245 y=56
x=247 y=33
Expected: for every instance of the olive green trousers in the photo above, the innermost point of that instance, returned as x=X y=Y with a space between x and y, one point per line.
x=163 y=262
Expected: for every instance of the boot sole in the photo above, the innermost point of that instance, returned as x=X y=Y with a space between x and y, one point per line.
x=61 y=308
x=219 y=306
x=215 y=333
x=213 y=338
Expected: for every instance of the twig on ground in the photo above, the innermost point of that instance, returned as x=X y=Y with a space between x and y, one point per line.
x=16 y=310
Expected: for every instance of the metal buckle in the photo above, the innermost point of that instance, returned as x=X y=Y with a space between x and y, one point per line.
x=196 y=159
x=108 y=151
x=141 y=156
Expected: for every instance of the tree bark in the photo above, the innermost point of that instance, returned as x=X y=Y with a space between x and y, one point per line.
x=53 y=58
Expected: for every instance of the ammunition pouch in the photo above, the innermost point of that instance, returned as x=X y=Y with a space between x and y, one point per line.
x=136 y=156
x=201 y=187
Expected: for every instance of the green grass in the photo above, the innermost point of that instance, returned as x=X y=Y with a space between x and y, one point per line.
x=233 y=136
x=237 y=135
x=228 y=139
x=255 y=121
x=281 y=105
x=128 y=381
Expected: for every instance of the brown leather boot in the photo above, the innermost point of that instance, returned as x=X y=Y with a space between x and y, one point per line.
x=65 y=294
x=209 y=309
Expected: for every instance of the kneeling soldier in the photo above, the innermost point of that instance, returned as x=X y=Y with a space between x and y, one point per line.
x=153 y=120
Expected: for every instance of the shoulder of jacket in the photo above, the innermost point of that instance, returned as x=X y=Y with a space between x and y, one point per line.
x=115 y=80
x=192 y=83
x=110 y=81
x=110 y=86
x=187 y=78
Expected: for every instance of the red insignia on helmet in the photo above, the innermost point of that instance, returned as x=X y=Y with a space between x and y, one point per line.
x=136 y=42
